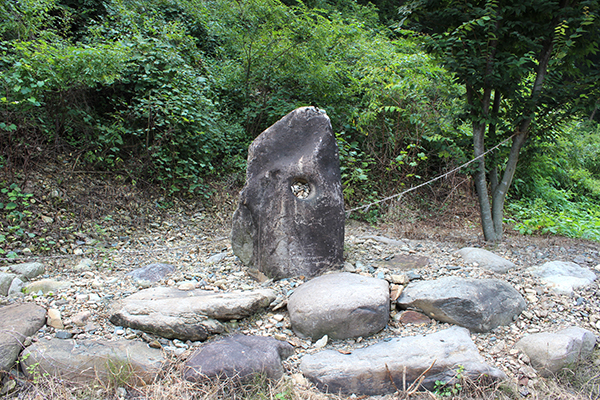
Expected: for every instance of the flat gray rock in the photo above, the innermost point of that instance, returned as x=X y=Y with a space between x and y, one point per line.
x=46 y=286
x=85 y=264
x=217 y=258
x=290 y=217
x=551 y=352
x=405 y=262
x=340 y=305
x=186 y=315
x=5 y=282
x=478 y=304
x=151 y=273
x=90 y=360
x=16 y=288
x=388 y=241
x=563 y=276
x=367 y=371
x=238 y=357
x=17 y=322
x=486 y=259
x=28 y=270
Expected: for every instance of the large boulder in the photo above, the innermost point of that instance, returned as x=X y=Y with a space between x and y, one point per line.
x=340 y=305
x=563 y=276
x=486 y=259
x=17 y=322
x=290 y=217
x=238 y=357
x=478 y=304
x=186 y=315
x=383 y=367
x=28 y=270
x=550 y=352
x=122 y=361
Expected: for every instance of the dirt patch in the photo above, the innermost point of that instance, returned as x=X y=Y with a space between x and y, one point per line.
x=66 y=205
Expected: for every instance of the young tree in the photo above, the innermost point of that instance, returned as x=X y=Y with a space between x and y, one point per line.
x=525 y=64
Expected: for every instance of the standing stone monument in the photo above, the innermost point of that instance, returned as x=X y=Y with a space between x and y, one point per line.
x=290 y=217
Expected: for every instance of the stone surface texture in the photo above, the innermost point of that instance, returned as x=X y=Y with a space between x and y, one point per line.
x=413 y=317
x=151 y=273
x=367 y=371
x=16 y=288
x=402 y=262
x=340 y=305
x=550 y=352
x=17 y=322
x=84 y=264
x=276 y=232
x=238 y=357
x=54 y=319
x=563 y=276
x=83 y=361
x=28 y=270
x=186 y=315
x=46 y=286
x=486 y=259
x=478 y=304
x=6 y=280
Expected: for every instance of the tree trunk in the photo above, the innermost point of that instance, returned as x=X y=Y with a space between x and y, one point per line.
x=499 y=194
x=492 y=217
x=487 y=221
x=479 y=129
x=492 y=133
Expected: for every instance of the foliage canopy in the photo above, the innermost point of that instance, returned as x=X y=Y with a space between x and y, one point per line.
x=176 y=90
x=171 y=92
x=525 y=66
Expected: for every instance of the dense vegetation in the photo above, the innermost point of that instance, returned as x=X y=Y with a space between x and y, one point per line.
x=171 y=92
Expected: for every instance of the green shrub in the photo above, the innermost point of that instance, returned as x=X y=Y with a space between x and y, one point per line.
x=16 y=220
x=574 y=219
x=558 y=189
x=173 y=91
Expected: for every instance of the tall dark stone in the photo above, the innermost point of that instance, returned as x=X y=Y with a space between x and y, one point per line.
x=290 y=217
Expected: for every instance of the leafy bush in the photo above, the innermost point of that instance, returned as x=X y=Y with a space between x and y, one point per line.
x=173 y=92
x=569 y=164
x=406 y=114
x=559 y=186
x=15 y=217
x=390 y=104
x=575 y=219
x=133 y=93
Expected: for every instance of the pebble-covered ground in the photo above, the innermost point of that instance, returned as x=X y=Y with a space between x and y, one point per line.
x=189 y=242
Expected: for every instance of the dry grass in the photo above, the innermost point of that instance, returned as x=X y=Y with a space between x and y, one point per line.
x=170 y=386
x=582 y=379
x=580 y=382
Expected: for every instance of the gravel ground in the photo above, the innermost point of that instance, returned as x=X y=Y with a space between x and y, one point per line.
x=188 y=241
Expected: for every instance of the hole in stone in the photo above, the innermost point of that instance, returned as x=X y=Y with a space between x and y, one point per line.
x=300 y=188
